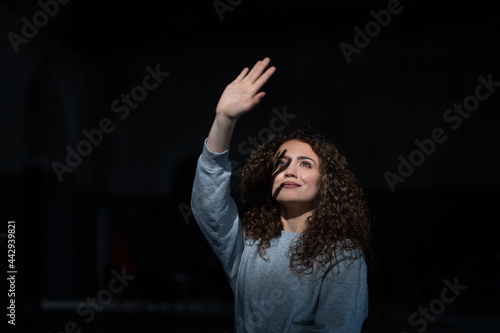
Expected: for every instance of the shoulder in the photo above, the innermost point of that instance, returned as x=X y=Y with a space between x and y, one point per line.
x=346 y=257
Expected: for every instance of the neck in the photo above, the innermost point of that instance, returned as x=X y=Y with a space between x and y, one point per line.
x=294 y=218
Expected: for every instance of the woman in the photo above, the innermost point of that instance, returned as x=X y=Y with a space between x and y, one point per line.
x=294 y=248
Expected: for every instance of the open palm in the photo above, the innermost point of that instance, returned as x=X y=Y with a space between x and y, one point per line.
x=242 y=95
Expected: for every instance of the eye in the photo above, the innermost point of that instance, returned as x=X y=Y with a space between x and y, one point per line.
x=306 y=164
x=280 y=163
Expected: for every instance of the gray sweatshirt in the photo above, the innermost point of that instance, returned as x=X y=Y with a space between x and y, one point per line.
x=269 y=297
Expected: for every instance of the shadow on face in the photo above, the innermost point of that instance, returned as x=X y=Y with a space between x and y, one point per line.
x=277 y=169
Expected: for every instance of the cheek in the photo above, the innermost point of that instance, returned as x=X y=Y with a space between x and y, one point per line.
x=277 y=179
x=308 y=177
x=312 y=179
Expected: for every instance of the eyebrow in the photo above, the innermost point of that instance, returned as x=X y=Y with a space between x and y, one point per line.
x=298 y=158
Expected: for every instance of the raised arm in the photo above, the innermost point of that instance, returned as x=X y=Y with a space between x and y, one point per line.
x=213 y=207
x=239 y=97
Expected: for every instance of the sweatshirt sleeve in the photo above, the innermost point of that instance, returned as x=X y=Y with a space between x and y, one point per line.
x=215 y=210
x=343 y=299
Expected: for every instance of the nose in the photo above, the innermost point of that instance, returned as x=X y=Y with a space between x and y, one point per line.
x=290 y=171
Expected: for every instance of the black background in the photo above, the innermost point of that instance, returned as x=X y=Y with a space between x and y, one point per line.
x=126 y=205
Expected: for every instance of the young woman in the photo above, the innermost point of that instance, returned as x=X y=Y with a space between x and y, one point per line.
x=294 y=247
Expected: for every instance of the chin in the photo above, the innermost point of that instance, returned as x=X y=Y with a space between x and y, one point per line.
x=292 y=201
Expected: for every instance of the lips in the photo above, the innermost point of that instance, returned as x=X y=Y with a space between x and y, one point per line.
x=289 y=185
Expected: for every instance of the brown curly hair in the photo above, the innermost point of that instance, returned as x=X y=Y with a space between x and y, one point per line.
x=340 y=222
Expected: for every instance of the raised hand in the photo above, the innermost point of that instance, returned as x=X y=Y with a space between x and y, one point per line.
x=242 y=95
x=239 y=97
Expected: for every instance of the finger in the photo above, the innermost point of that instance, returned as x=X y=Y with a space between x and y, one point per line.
x=259 y=96
x=257 y=69
x=252 y=71
x=242 y=74
x=264 y=77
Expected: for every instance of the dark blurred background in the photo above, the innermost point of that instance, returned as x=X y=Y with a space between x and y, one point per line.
x=123 y=210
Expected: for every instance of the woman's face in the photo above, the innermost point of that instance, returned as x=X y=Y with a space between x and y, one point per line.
x=296 y=174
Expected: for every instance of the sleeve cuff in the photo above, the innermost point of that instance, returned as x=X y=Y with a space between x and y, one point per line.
x=214 y=160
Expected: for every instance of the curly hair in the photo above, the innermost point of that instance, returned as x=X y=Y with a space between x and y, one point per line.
x=339 y=224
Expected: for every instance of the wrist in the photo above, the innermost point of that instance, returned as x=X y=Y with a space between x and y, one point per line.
x=224 y=120
x=220 y=133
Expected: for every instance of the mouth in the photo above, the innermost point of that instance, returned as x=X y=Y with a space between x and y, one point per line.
x=290 y=185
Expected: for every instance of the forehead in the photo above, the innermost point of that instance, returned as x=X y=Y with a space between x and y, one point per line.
x=297 y=148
